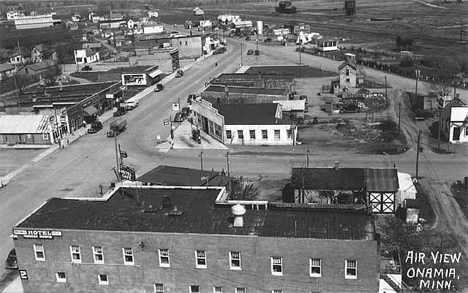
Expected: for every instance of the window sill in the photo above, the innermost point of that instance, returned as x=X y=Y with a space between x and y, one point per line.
x=235 y=269
x=277 y=274
x=351 y=277
x=129 y=263
x=201 y=267
x=315 y=276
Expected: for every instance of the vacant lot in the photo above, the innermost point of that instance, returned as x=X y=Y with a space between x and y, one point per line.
x=298 y=71
x=12 y=159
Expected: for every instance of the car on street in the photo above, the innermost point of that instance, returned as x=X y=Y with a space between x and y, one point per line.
x=11 y=261
x=220 y=50
x=159 y=87
x=179 y=73
x=250 y=52
x=95 y=127
x=86 y=68
x=130 y=105
x=257 y=52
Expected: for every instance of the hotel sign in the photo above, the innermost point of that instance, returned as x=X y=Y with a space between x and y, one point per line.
x=37 y=234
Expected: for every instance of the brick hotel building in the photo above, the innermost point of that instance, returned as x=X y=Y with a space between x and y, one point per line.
x=192 y=239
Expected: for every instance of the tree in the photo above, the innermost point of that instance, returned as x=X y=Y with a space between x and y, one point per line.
x=51 y=74
x=22 y=81
x=398 y=42
x=240 y=190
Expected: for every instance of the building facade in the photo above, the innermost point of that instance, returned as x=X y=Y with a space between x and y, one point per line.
x=84 y=56
x=454 y=118
x=25 y=129
x=192 y=240
x=348 y=74
x=189 y=46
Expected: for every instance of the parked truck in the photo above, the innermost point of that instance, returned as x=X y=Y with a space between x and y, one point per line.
x=116 y=127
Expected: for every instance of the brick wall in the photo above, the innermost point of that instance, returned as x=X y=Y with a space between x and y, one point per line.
x=255 y=255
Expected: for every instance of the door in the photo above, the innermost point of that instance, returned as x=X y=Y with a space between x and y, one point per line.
x=456 y=133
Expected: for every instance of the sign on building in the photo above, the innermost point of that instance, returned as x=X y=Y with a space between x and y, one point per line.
x=134 y=79
x=175 y=106
x=37 y=234
x=127 y=173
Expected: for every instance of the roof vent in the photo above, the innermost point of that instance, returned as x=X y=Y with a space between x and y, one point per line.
x=175 y=212
x=238 y=211
x=166 y=203
x=337 y=165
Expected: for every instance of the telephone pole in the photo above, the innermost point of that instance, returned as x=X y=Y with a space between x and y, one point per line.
x=399 y=116
x=201 y=160
x=227 y=162
x=386 y=95
x=307 y=159
x=418 y=73
x=417 y=154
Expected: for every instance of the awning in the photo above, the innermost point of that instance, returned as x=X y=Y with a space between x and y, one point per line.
x=90 y=110
x=155 y=73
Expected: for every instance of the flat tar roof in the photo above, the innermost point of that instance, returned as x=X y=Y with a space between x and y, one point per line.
x=248 y=90
x=142 y=210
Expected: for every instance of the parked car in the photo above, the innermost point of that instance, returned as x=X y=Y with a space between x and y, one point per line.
x=267 y=40
x=179 y=73
x=130 y=105
x=120 y=112
x=350 y=109
x=11 y=261
x=250 y=52
x=159 y=87
x=86 y=68
x=220 y=50
x=95 y=127
x=257 y=52
x=247 y=38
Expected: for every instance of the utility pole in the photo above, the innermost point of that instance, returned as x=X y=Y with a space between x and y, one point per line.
x=418 y=73
x=241 y=56
x=201 y=160
x=300 y=53
x=307 y=159
x=399 y=116
x=417 y=154
x=227 y=162
x=438 y=127
x=386 y=94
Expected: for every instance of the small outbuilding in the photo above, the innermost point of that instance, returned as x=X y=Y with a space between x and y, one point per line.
x=25 y=129
x=198 y=11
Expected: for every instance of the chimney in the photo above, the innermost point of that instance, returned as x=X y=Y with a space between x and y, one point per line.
x=238 y=211
x=337 y=165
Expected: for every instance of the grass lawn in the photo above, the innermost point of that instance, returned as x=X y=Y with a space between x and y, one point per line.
x=298 y=71
x=91 y=76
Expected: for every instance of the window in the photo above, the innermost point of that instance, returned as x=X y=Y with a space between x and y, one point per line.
x=277 y=266
x=158 y=288
x=252 y=134
x=39 y=252
x=186 y=43
x=200 y=256
x=241 y=290
x=61 y=278
x=277 y=134
x=235 y=260
x=194 y=289
x=164 y=258
x=289 y=132
x=351 y=269
x=103 y=280
x=98 y=254
x=347 y=72
x=75 y=253
x=217 y=289
x=315 y=267
x=128 y=256
x=228 y=134
x=347 y=80
x=264 y=134
x=240 y=134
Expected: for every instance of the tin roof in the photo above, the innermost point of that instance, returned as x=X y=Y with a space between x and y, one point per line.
x=24 y=124
x=345 y=178
x=6 y=67
x=142 y=210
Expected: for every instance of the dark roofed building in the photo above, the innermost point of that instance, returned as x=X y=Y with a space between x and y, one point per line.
x=248 y=95
x=193 y=237
x=178 y=176
x=376 y=188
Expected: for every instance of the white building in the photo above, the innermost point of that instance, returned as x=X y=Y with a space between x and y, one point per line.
x=150 y=28
x=245 y=124
x=455 y=121
x=327 y=44
x=153 y=14
x=85 y=56
x=34 y=21
x=11 y=15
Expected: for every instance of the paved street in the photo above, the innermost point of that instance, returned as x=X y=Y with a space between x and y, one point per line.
x=80 y=168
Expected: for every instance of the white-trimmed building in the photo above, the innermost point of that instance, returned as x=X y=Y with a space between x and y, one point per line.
x=84 y=56
x=455 y=121
x=245 y=124
x=327 y=44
